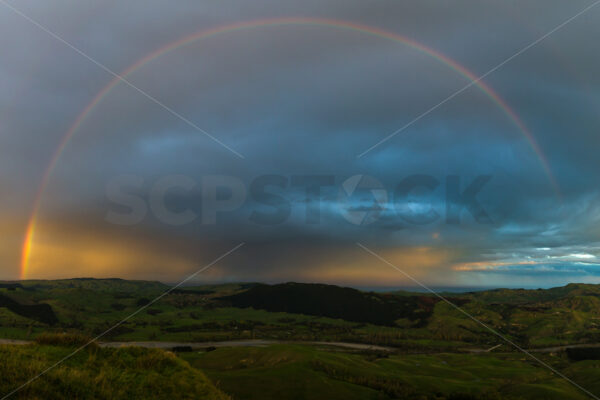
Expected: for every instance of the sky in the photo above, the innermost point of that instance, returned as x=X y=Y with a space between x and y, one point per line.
x=261 y=131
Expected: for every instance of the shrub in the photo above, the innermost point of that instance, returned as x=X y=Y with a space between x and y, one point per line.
x=182 y=349
x=118 y=306
x=583 y=353
x=142 y=302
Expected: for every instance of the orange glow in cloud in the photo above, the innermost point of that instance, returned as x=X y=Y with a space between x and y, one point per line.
x=489 y=265
x=102 y=260
x=418 y=262
x=67 y=252
x=64 y=250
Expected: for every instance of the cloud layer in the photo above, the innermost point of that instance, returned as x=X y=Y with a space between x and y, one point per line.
x=304 y=100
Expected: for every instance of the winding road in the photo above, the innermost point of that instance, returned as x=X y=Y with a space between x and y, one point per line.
x=229 y=343
x=262 y=343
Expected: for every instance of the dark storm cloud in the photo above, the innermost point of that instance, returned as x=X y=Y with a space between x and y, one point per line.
x=305 y=100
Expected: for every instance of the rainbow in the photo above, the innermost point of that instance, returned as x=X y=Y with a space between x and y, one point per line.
x=345 y=25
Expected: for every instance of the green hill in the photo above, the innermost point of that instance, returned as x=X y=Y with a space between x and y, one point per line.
x=335 y=302
x=296 y=311
x=430 y=339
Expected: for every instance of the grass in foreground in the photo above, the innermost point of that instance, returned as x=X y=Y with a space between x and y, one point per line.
x=94 y=373
x=288 y=372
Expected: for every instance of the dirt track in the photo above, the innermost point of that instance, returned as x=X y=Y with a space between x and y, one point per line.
x=261 y=343
x=242 y=343
x=231 y=343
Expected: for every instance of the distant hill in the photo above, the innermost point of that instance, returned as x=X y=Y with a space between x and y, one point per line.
x=334 y=302
x=105 y=285
x=10 y=286
x=524 y=296
x=299 y=311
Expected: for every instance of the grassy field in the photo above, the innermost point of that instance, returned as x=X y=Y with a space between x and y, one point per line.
x=429 y=340
x=94 y=373
x=286 y=371
x=532 y=318
x=305 y=372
